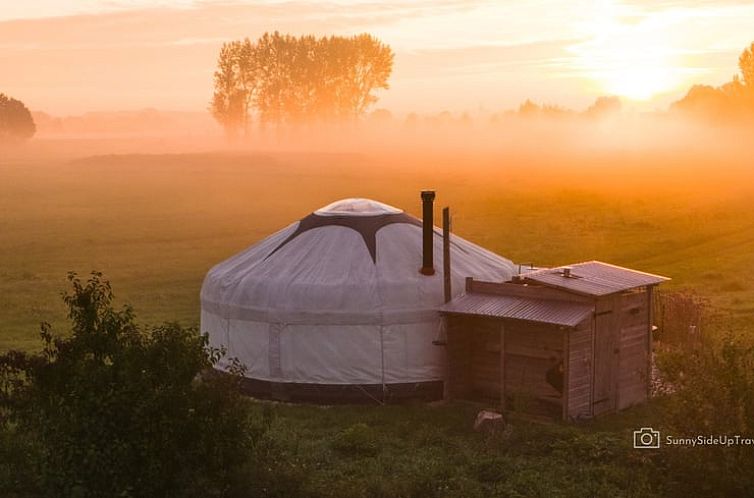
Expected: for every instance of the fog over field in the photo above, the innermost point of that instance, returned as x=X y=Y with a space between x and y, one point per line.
x=144 y=143
x=154 y=212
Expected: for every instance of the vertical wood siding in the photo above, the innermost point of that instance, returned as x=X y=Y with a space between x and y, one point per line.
x=580 y=371
x=634 y=349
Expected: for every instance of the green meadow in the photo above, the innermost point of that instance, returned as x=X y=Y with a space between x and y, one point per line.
x=155 y=223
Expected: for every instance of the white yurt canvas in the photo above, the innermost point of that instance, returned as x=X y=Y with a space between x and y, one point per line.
x=336 y=300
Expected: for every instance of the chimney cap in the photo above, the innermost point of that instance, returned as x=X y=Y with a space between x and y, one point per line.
x=428 y=195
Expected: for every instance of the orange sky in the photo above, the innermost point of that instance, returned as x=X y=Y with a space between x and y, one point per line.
x=73 y=56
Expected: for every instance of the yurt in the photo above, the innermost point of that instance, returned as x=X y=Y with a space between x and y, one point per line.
x=338 y=307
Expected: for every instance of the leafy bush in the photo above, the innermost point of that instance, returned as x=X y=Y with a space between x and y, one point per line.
x=19 y=463
x=120 y=411
x=714 y=395
x=682 y=316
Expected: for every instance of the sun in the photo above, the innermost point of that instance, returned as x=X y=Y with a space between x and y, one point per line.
x=628 y=57
x=635 y=79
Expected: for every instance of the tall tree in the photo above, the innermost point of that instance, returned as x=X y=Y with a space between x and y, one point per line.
x=372 y=65
x=287 y=80
x=746 y=65
x=16 y=122
x=235 y=85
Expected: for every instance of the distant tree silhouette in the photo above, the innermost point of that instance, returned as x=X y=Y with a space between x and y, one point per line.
x=604 y=106
x=531 y=109
x=746 y=65
x=16 y=122
x=703 y=100
x=412 y=120
x=371 y=63
x=381 y=116
x=733 y=100
x=234 y=86
x=288 y=80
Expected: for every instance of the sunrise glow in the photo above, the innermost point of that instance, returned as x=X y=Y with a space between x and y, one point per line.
x=630 y=58
x=455 y=56
x=359 y=248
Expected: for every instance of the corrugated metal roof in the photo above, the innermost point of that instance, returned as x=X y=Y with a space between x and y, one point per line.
x=519 y=308
x=595 y=278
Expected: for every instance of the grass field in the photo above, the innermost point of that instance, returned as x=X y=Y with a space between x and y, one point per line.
x=419 y=451
x=155 y=223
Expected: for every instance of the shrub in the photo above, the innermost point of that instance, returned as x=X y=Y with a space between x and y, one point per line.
x=682 y=316
x=714 y=395
x=121 y=411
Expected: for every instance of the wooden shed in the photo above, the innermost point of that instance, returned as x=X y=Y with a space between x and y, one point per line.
x=567 y=343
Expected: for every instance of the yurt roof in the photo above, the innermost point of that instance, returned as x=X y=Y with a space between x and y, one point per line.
x=365 y=216
x=356 y=260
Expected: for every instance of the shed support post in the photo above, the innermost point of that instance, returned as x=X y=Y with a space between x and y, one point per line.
x=382 y=363
x=566 y=374
x=449 y=359
x=446 y=253
x=650 y=319
x=502 y=368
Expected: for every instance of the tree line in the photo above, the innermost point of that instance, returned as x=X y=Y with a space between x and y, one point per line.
x=734 y=99
x=284 y=79
x=16 y=122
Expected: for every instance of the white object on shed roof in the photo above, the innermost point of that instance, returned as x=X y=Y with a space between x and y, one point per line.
x=594 y=278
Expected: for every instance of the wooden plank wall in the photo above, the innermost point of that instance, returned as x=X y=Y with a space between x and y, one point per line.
x=485 y=360
x=580 y=371
x=606 y=367
x=530 y=351
x=458 y=357
x=474 y=358
x=634 y=348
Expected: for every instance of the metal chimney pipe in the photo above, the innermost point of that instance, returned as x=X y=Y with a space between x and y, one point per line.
x=428 y=265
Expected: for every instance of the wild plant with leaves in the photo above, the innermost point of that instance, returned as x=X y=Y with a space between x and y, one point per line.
x=112 y=409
